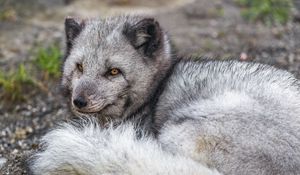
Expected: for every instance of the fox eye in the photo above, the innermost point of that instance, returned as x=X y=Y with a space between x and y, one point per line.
x=79 y=67
x=114 y=71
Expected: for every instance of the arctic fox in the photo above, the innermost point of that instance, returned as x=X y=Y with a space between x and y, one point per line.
x=160 y=114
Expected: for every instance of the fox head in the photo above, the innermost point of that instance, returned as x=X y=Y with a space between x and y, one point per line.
x=113 y=66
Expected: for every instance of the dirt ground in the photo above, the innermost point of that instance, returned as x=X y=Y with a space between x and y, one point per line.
x=212 y=29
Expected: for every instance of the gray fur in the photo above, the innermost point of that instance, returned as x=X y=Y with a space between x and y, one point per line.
x=237 y=117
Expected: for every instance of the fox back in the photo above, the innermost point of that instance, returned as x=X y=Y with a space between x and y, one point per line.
x=238 y=117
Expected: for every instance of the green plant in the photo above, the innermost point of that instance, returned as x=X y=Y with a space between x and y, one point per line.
x=7 y=11
x=48 y=60
x=12 y=83
x=268 y=11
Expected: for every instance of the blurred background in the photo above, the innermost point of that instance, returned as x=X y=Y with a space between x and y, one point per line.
x=32 y=44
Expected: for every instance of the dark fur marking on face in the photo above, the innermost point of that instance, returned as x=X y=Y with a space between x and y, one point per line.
x=65 y=91
x=128 y=103
x=73 y=28
x=66 y=87
x=145 y=36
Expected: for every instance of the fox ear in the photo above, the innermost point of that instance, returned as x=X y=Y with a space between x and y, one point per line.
x=146 y=36
x=73 y=26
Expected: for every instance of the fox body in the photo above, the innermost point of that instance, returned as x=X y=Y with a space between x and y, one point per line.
x=230 y=116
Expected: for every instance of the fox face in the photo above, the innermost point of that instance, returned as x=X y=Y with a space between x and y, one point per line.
x=113 y=66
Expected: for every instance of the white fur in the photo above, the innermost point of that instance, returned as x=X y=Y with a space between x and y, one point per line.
x=90 y=150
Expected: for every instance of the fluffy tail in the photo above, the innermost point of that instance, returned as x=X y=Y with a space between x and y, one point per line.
x=89 y=150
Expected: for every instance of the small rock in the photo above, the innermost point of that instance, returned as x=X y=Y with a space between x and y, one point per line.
x=15 y=151
x=2 y=161
x=243 y=56
x=29 y=129
x=20 y=133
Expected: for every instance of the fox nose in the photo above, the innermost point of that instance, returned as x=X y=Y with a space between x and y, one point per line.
x=80 y=102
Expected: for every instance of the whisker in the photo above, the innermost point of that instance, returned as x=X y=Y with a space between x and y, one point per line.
x=119 y=93
x=97 y=105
